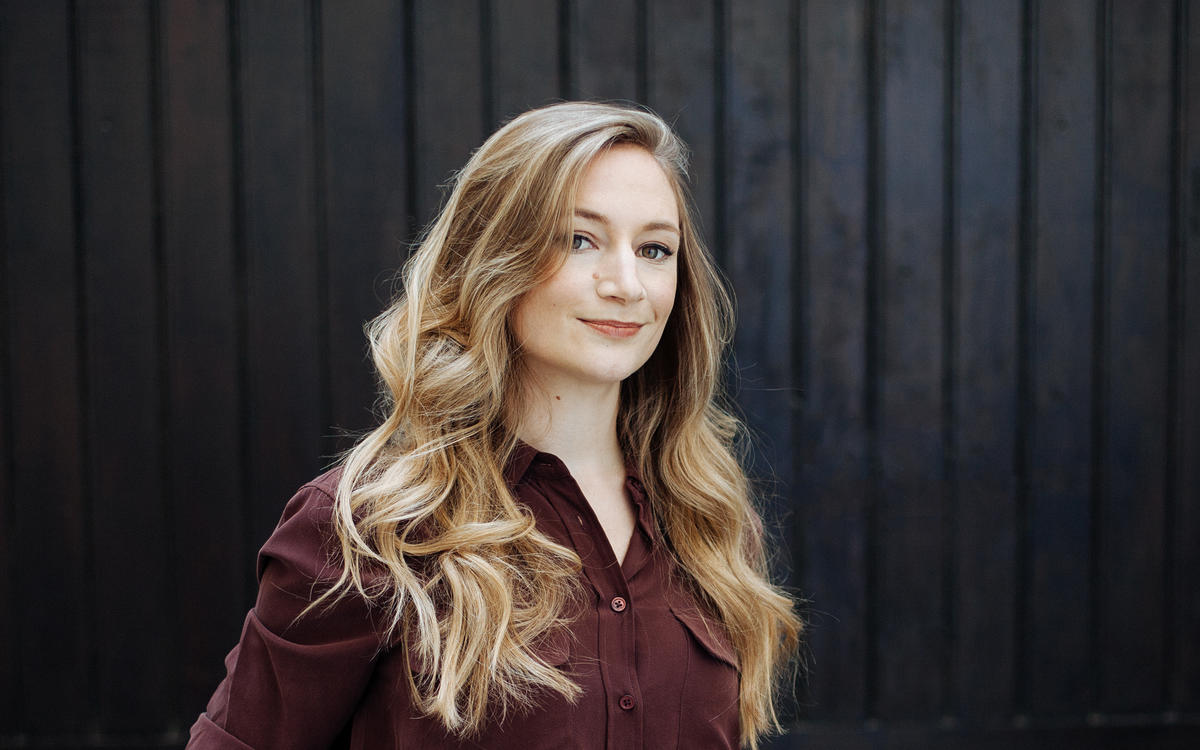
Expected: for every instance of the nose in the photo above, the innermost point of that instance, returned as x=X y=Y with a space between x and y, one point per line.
x=617 y=276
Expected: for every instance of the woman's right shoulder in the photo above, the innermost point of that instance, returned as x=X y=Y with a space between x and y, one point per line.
x=314 y=500
x=298 y=670
x=302 y=556
x=306 y=533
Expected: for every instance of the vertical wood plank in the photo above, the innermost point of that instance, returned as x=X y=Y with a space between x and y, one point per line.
x=204 y=452
x=525 y=48
x=604 y=49
x=124 y=387
x=833 y=483
x=988 y=155
x=681 y=71
x=760 y=239
x=449 y=126
x=50 y=513
x=910 y=388
x=10 y=689
x=1059 y=442
x=367 y=198
x=1132 y=596
x=281 y=256
x=1185 y=666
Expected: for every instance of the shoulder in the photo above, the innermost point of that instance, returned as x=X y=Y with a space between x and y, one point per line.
x=314 y=500
x=302 y=560
x=305 y=533
x=297 y=673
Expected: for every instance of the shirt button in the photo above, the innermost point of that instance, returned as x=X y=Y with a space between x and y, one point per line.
x=626 y=702
x=618 y=604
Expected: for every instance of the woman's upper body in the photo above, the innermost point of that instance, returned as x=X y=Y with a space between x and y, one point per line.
x=562 y=305
x=655 y=671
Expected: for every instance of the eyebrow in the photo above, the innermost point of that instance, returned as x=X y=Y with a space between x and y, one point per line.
x=583 y=213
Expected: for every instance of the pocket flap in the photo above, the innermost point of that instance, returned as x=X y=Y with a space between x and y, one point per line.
x=708 y=632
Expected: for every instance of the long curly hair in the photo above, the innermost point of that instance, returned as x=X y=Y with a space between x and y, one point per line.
x=427 y=526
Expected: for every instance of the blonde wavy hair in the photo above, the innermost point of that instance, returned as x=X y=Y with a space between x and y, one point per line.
x=428 y=528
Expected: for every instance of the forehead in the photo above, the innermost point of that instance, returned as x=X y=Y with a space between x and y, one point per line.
x=627 y=179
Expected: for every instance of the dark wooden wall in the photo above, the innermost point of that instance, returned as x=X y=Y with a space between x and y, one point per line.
x=965 y=241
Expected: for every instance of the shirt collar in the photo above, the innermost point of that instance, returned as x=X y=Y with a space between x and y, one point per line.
x=524 y=455
x=518 y=463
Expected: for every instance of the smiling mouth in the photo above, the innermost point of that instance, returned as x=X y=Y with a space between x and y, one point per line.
x=614 y=328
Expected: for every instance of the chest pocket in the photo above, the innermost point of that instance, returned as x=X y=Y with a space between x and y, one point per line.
x=711 y=688
x=710 y=635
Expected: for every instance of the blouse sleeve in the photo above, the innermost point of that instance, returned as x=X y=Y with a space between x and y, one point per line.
x=293 y=683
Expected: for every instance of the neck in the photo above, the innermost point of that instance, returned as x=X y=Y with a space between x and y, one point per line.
x=575 y=421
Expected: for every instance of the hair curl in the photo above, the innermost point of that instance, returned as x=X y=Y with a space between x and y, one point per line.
x=427 y=526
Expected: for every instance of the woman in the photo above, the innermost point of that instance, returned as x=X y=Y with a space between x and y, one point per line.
x=548 y=542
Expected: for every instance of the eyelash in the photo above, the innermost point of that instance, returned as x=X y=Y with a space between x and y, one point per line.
x=666 y=251
x=578 y=239
x=575 y=241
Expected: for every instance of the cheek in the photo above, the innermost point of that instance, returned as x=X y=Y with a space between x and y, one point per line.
x=535 y=313
x=524 y=321
x=662 y=297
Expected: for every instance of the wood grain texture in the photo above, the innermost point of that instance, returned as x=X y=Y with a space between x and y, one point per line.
x=963 y=238
x=526 y=52
x=10 y=689
x=1060 y=439
x=760 y=238
x=837 y=737
x=204 y=443
x=283 y=297
x=448 y=96
x=50 y=514
x=124 y=383
x=1185 y=664
x=912 y=493
x=366 y=192
x=759 y=221
x=603 y=49
x=833 y=482
x=987 y=151
x=681 y=60
x=1135 y=397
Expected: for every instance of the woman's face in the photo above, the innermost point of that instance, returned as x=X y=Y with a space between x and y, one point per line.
x=600 y=316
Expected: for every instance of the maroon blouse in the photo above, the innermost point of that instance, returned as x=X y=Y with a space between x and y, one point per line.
x=655 y=670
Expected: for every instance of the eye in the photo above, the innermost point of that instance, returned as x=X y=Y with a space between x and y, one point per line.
x=655 y=251
x=582 y=242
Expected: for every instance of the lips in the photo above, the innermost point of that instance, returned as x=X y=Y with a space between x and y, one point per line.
x=614 y=328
